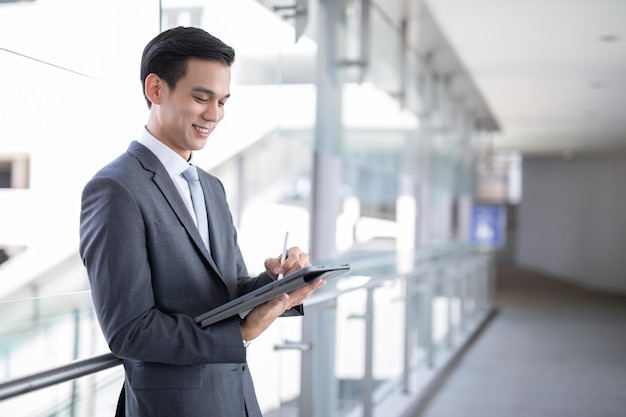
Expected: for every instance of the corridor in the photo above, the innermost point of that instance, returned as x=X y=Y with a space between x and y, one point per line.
x=553 y=350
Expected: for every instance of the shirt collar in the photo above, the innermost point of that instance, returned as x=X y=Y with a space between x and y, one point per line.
x=173 y=162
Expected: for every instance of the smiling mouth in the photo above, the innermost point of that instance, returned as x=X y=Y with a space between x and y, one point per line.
x=204 y=130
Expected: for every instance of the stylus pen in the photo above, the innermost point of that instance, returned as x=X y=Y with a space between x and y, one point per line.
x=284 y=256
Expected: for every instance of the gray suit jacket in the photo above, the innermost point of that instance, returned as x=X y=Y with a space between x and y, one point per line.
x=151 y=274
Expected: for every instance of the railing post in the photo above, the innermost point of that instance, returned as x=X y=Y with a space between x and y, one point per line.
x=425 y=327
x=368 y=377
x=411 y=323
x=463 y=272
x=448 y=290
x=318 y=385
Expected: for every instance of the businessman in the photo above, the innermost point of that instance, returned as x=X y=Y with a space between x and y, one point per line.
x=154 y=264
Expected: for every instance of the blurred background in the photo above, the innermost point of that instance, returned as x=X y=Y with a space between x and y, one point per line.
x=451 y=151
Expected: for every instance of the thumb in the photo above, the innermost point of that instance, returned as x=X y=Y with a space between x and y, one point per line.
x=272 y=265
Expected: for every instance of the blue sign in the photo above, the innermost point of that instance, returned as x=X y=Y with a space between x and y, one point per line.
x=488 y=225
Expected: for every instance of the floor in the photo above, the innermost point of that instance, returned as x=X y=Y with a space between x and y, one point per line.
x=553 y=350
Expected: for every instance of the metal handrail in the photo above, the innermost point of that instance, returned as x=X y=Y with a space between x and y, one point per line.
x=75 y=369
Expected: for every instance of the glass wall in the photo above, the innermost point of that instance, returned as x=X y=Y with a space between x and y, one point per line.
x=72 y=89
x=74 y=101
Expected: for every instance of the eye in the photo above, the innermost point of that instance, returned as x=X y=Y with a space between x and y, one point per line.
x=201 y=99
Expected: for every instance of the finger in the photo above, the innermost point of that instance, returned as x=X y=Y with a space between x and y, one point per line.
x=296 y=259
x=272 y=266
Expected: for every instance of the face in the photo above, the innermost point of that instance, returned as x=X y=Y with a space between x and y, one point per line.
x=184 y=118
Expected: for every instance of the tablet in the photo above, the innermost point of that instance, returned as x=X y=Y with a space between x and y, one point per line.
x=272 y=290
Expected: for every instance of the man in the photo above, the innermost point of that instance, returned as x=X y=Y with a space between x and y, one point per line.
x=149 y=269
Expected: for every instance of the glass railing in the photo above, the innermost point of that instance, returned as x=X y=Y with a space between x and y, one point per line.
x=374 y=340
x=44 y=340
x=370 y=342
x=47 y=331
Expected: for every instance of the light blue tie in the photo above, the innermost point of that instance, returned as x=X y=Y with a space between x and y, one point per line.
x=197 y=198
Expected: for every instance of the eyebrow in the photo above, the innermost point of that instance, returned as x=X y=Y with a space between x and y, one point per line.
x=208 y=91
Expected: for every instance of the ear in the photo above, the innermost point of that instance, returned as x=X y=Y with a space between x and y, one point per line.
x=153 y=87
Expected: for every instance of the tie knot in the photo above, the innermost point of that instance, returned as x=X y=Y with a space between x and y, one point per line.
x=191 y=174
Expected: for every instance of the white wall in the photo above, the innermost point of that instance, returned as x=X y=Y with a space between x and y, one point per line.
x=71 y=108
x=572 y=219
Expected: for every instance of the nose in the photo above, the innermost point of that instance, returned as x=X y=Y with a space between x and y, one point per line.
x=212 y=112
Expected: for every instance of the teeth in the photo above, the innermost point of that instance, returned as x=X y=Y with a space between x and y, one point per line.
x=202 y=129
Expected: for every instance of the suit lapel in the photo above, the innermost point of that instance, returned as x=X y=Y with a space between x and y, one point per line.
x=165 y=184
x=215 y=227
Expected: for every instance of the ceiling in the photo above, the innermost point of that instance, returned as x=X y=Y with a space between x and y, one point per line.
x=553 y=72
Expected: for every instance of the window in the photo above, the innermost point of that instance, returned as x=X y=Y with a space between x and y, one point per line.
x=14 y=171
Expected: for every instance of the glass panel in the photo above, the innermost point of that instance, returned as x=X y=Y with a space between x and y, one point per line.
x=92 y=395
x=43 y=333
x=268 y=189
x=377 y=132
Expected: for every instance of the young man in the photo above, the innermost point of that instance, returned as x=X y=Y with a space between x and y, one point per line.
x=149 y=269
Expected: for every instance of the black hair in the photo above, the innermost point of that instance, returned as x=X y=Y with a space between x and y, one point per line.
x=166 y=55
